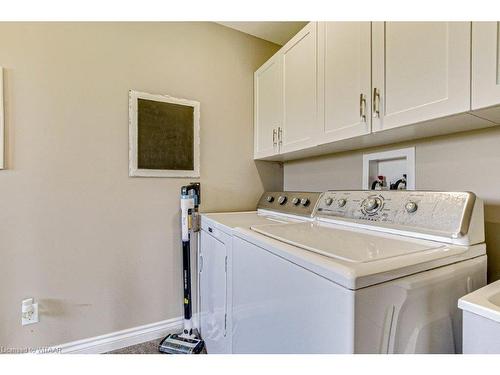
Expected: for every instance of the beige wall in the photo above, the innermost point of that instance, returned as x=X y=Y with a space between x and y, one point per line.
x=99 y=250
x=466 y=161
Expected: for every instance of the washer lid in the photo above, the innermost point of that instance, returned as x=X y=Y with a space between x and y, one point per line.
x=350 y=245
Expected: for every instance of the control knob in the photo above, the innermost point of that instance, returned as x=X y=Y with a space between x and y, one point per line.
x=295 y=201
x=371 y=205
x=305 y=202
x=270 y=198
x=411 y=207
x=341 y=202
x=282 y=199
x=328 y=201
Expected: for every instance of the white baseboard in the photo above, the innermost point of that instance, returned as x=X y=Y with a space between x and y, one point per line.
x=122 y=339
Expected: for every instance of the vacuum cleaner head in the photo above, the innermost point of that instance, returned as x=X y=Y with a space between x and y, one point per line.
x=179 y=344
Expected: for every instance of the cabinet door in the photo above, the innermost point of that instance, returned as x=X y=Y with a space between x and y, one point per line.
x=421 y=71
x=300 y=90
x=485 y=64
x=344 y=80
x=268 y=106
x=213 y=293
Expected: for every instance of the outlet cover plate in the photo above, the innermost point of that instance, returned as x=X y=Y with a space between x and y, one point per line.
x=34 y=317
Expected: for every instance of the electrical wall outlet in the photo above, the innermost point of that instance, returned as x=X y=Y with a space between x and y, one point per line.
x=29 y=312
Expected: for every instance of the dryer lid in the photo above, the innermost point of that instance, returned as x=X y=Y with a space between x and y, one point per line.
x=350 y=245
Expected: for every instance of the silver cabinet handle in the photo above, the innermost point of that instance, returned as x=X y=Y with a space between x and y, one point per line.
x=280 y=135
x=362 y=107
x=201 y=264
x=376 y=103
x=274 y=137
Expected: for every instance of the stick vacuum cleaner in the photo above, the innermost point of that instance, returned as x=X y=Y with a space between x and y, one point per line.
x=186 y=342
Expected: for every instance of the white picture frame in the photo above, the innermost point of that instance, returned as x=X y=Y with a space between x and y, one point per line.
x=134 y=171
x=2 y=123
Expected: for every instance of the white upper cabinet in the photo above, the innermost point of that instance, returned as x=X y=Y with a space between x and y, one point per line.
x=337 y=86
x=268 y=106
x=344 y=80
x=485 y=64
x=299 y=91
x=420 y=71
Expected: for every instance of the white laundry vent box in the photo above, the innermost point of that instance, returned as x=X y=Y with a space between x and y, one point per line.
x=394 y=165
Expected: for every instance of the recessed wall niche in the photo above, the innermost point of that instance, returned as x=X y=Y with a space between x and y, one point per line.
x=393 y=165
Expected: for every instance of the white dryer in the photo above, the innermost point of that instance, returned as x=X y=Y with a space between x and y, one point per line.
x=373 y=273
x=215 y=257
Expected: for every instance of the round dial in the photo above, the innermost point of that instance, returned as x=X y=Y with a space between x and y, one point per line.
x=411 y=207
x=282 y=199
x=372 y=205
x=269 y=198
x=305 y=202
x=341 y=202
x=328 y=201
x=296 y=201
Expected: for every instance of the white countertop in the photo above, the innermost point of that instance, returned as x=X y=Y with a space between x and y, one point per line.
x=484 y=301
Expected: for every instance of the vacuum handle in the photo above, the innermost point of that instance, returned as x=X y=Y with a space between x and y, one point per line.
x=186 y=265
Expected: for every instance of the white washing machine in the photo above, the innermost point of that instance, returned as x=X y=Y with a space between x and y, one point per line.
x=215 y=257
x=372 y=273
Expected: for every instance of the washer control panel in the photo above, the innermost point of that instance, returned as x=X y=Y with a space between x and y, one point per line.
x=292 y=202
x=444 y=212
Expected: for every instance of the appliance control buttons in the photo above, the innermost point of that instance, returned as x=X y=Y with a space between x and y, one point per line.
x=305 y=202
x=411 y=207
x=270 y=198
x=282 y=199
x=341 y=202
x=295 y=201
x=372 y=205
x=328 y=201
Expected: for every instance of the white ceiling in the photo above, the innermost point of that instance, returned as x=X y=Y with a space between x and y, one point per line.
x=276 y=32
